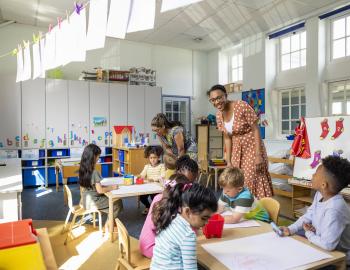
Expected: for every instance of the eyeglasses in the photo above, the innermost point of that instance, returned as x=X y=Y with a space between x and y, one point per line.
x=217 y=99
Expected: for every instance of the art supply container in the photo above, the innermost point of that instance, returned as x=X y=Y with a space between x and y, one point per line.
x=214 y=227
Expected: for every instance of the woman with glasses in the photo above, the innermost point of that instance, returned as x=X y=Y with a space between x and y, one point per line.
x=243 y=144
x=174 y=139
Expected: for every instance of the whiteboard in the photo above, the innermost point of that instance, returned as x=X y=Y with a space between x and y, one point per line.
x=153 y=105
x=99 y=113
x=136 y=108
x=78 y=113
x=33 y=113
x=10 y=113
x=118 y=112
x=56 y=113
x=302 y=168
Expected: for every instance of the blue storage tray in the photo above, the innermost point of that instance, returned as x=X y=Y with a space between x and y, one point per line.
x=33 y=177
x=51 y=177
x=33 y=163
x=59 y=152
x=106 y=170
x=121 y=155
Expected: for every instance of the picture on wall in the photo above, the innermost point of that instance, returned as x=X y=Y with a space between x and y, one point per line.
x=99 y=121
x=256 y=99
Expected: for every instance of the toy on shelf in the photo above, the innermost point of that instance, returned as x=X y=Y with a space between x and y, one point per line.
x=121 y=135
x=128 y=179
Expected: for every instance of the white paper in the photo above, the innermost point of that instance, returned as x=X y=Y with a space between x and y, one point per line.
x=42 y=57
x=60 y=47
x=96 y=34
x=112 y=181
x=27 y=65
x=142 y=15
x=36 y=61
x=242 y=224
x=50 y=50
x=78 y=36
x=19 y=65
x=171 y=4
x=66 y=30
x=264 y=251
x=124 y=190
x=118 y=18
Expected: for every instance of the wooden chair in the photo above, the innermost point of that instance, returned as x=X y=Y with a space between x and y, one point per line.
x=272 y=206
x=203 y=171
x=128 y=258
x=78 y=210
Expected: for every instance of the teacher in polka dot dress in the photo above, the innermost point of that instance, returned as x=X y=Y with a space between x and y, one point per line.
x=243 y=144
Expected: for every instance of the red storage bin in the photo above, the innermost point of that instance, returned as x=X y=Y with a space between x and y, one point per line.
x=214 y=227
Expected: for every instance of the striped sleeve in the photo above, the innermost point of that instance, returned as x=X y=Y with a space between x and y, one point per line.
x=188 y=251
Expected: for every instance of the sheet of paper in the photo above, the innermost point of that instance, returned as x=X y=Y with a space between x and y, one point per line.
x=78 y=42
x=50 y=50
x=242 y=224
x=142 y=15
x=96 y=34
x=118 y=18
x=27 y=64
x=42 y=57
x=138 y=188
x=19 y=65
x=112 y=181
x=264 y=251
x=66 y=34
x=36 y=61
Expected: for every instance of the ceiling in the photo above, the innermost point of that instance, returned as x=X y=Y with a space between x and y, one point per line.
x=206 y=25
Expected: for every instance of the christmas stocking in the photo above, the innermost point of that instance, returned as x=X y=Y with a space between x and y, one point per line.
x=325 y=128
x=337 y=153
x=339 y=128
x=317 y=159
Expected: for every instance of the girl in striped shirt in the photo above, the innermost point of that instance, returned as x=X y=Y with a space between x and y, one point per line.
x=186 y=207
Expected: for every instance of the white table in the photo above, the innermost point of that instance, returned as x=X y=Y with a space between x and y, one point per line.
x=10 y=190
x=216 y=169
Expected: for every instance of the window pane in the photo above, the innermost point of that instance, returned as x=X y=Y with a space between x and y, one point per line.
x=285 y=127
x=183 y=118
x=169 y=116
x=348 y=107
x=234 y=61
x=339 y=28
x=302 y=96
x=295 y=112
x=176 y=117
x=348 y=46
x=339 y=48
x=240 y=60
x=303 y=58
x=285 y=62
x=294 y=97
x=295 y=59
x=294 y=124
x=336 y=108
x=348 y=94
x=303 y=110
x=348 y=26
x=295 y=41
x=240 y=74
x=285 y=45
x=285 y=98
x=303 y=40
x=285 y=113
x=338 y=95
x=234 y=75
x=176 y=106
x=183 y=106
x=168 y=106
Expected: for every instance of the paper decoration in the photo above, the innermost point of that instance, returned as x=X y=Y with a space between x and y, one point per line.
x=27 y=65
x=42 y=57
x=171 y=4
x=50 y=50
x=66 y=33
x=19 y=65
x=99 y=121
x=142 y=15
x=118 y=18
x=36 y=61
x=77 y=34
x=96 y=34
x=60 y=44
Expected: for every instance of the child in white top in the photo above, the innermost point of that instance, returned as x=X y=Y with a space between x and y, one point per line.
x=152 y=172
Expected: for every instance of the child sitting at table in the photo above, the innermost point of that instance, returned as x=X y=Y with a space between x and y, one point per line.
x=154 y=171
x=238 y=199
x=327 y=221
x=89 y=180
x=186 y=170
x=186 y=207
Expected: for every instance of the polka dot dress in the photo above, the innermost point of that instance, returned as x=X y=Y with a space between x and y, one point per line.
x=243 y=149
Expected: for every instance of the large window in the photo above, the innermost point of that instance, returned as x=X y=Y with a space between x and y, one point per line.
x=339 y=96
x=293 y=106
x=236 y=67
x=178 y=109
x=293 y=51
x=341 y=37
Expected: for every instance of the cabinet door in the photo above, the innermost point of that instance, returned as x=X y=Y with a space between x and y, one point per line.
x=153 y=105
x=99 y=113
x=118 y=112
x=56 y=113
x=78 y=108
x=33 y=113
x=136 y=108
x=10 y=113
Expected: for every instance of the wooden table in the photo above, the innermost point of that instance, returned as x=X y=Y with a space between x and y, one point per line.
x=216 y=169
x=114 y=197
x=46 y=249
x=210 y=262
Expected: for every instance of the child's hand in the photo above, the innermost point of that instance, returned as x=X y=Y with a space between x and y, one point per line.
x=309 y=227
x=285 y=230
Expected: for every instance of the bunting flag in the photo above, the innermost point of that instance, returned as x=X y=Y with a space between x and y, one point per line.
x=77 y=22
x=19 y=64
x=96 y=34
x=142 y=15
x=36 y=60
x=27 y=64
x=118 y=18
x=42 y=57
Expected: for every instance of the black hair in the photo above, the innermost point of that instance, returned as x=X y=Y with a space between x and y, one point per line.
x=186 y=163
x=153 y=149
x=197 y=197
x=160 y=120
x=339 y=169
x=87 y=164
x=217 y=87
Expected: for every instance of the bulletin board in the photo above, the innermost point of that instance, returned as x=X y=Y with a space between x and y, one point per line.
x=335 y=142
x=256 y=99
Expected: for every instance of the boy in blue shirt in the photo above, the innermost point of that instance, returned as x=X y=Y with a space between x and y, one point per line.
x=327 y=221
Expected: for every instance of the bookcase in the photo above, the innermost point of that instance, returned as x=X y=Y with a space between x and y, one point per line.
x=210 y=142
x=128 y=160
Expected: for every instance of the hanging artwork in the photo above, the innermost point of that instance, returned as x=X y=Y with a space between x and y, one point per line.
x=99 y=121
x=256 y=99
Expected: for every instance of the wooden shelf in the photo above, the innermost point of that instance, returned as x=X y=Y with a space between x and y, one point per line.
x=282 y=193
x=306 y=199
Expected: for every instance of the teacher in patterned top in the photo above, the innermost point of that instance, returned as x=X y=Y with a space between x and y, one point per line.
x=174 y=139
x=243 y=144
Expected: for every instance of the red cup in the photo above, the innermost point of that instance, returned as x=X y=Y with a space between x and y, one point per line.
x=214 y=227
x=139 y=181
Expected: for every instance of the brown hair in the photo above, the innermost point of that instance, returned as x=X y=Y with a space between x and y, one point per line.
x=233 y=177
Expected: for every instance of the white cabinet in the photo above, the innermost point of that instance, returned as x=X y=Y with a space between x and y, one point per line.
x=153 y=105
x=136 y=107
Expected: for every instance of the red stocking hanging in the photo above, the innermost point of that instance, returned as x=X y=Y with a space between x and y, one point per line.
x=339 y=128
x=325 y=128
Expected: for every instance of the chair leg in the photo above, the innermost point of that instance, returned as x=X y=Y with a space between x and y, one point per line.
x=200 y=178
x=94 y=219
x=209 y=179
x=66 y=221
x=81 y=220
x=70 y=228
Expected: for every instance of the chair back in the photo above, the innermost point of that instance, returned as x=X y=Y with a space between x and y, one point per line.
x=203 y=165
x=272 y=206
x=69 y=196
x=124 y=241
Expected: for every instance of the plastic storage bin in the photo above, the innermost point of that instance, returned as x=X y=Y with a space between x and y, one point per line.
x=59 y=152
x=33 y=177
x=51 y=176
x=33 y=163
x=121 y=155
x=214 y=226
x=122 y=168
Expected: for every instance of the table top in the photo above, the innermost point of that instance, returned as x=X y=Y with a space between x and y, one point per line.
x=144 y=189
x=46 y=249
x=11 y=177
x=211 y=262
x=217 y=167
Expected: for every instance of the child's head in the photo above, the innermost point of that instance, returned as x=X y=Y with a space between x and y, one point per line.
x=153 y=154
x=194 y=202
x=232 y=181
x=188 y=167
x=88 y=161
x=332 y=175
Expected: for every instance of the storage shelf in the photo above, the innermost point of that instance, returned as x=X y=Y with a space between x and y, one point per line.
x=104 y=163
x=282 y=192
x=34 y=167
x=306 y=199
x=58 y=157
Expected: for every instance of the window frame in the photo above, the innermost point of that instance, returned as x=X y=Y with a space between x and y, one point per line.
x=344 y=82
x=230 y=55
x=331 y=40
